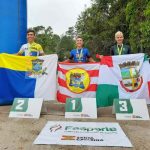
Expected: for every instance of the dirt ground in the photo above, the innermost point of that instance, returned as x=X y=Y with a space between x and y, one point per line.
x=19 y=134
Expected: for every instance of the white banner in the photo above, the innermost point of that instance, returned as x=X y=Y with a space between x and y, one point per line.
x=83 y=133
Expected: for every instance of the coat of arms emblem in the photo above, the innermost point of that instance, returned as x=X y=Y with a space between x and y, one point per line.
x=131 y=79
x=78 y=80
x=37 y=69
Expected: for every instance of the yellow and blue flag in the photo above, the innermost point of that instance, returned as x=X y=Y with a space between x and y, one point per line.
x=27 y=77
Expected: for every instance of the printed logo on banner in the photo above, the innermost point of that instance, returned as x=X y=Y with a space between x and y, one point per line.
x=131 y=79
x=85 y=129
x=55 y=127
x=80 y=138
x=37 y=70
x=78 y=80
x=67 y=137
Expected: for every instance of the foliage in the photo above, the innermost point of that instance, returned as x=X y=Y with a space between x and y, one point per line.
x=65 y=45
x=47 y=39
x=53 y=43
x=105 y=17
x=138 y=17
x=98 y=25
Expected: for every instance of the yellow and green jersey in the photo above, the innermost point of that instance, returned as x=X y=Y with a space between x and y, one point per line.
x=31 y=49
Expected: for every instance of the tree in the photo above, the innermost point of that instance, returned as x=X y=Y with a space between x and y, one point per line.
x=99 y=23
x=65 y=45
x=47 y=39
x=71 y=32
x=138 y=17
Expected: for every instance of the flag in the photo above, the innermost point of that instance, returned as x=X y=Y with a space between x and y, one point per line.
x=27 y=77
x=124 y=77
x=77 y=80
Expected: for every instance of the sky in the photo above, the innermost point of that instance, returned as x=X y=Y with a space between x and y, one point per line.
x=59 y=14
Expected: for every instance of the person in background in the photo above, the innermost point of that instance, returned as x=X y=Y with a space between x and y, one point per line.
x=120 y=48
x=31 y=48
x=80 y=54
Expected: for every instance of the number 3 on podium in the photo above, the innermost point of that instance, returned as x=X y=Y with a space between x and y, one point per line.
x=123 y=106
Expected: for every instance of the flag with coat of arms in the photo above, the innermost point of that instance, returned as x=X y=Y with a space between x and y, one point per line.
x=77 y=80
x=123 y=77
x=27 y=77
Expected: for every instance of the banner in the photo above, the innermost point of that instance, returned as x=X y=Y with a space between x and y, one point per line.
x=77 y=80
x=123 y=77
x=83 y=133
x=27 y=77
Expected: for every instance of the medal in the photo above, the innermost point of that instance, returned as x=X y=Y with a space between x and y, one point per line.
x=120 y=49
x=79 y=56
